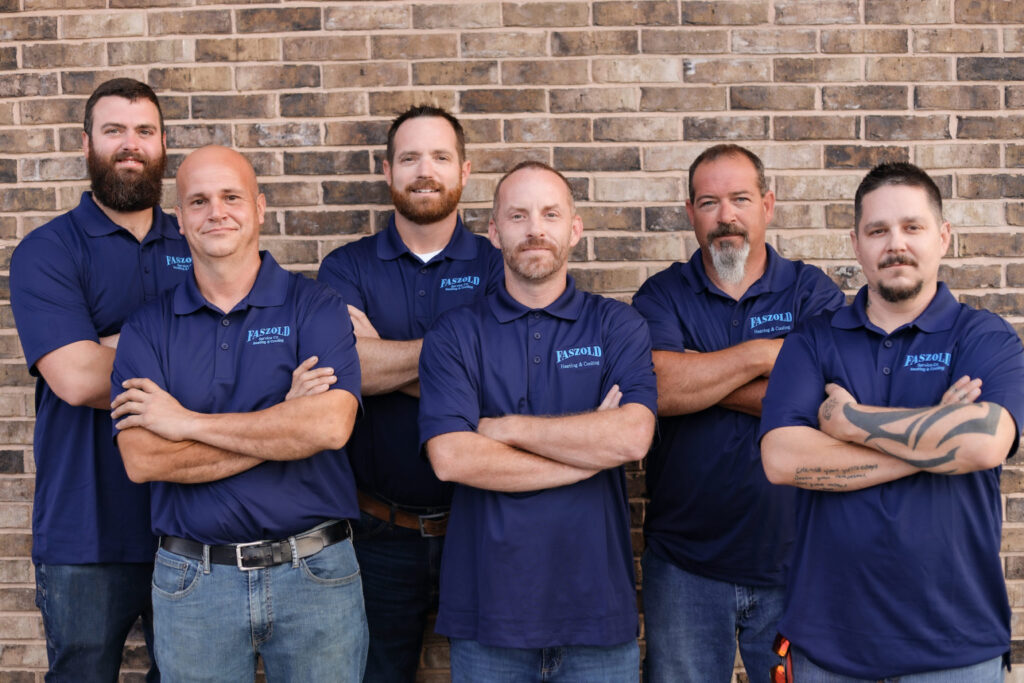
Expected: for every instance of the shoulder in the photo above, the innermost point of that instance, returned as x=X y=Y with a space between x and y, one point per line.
x=670 y=280
x=976 y=323
x=353 y=255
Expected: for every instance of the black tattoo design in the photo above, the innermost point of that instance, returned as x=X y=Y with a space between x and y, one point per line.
x=827 y=409
x=830 y=478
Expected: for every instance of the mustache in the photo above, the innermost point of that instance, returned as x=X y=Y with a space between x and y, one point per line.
x=130 y=156
x=536 y=243
x=897 y=260
x=727 y=230
x=424 y=184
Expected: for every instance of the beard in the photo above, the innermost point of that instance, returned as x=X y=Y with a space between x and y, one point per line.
x=894 y=295
x=730 y=262
x=533 y=267
x=126 y=190
x=420 y=210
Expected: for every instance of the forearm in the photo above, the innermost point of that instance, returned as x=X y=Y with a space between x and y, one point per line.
x=691 y=382
x=594 y=440
x=388 y=365
x=478 y=461
x=808 y=458
x=148 y=457
x=747 y=398
x=79 y=373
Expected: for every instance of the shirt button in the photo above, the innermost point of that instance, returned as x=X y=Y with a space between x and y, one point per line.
x=422 y=292
x=536 y=360
x=887 y=343
x=886 y=371
x=225 y=322
x=146 y=270
x=224 y=346
x=735 y=323
x=536 y=335
x=423 y=271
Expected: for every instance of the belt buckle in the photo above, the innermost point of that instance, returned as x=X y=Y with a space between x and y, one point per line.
x=238 y=555
x=430 y=518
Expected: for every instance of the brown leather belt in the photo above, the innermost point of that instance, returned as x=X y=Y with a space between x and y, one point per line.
x=428 y=525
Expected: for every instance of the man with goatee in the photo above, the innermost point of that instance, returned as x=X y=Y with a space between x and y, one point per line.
x=73 y=283
x=397 y=282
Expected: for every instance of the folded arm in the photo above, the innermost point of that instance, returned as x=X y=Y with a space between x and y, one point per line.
x=148 y=457
x=79 y=372
x=387 y=365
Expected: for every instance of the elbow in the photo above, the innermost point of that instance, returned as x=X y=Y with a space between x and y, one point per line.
x=72 y=394
x=134 y=457
x=772 y=460
x=441 y=460
x=637 y=438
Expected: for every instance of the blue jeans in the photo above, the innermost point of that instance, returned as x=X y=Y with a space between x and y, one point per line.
x=473 y=663
x=692 y=625
x=400 y=570
x=990 y=671
x=305 y=619
x=88 y=610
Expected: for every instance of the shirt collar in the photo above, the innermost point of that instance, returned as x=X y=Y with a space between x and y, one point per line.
x=95 y=223
x=269 y=290
x=939 y=315
x=779 y=275
x=567 y=306
x=460 y=246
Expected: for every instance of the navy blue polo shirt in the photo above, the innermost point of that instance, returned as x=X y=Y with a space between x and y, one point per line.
x=903 y=577
x=552 y=567
x=712 y=510
x=76 y=279
x=242 y=362
x=402 y=296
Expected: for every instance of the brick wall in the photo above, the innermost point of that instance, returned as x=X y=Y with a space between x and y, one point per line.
x=619 y=95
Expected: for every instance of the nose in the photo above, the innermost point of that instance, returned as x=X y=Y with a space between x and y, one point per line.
x=425 y=168
x=726 y=212
x=217 y=212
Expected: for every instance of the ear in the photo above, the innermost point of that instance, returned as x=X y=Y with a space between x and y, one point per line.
x=945 y=234
x=492 y=234
x=465 y=171
x=386 y=167
x=577 y=230
x=855 y=244
x=689 y=211
x=85 y=143
x=261 y=208
x=769 y=206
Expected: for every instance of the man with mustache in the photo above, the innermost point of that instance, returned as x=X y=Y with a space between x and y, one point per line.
x=718 y=534
x=396 y=283
x=893 y=416
x=73 y=283
x=533 y=399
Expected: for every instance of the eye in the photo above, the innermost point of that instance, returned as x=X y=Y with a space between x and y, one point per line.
x=705 y=204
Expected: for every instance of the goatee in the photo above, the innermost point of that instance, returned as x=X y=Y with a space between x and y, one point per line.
x=730 y=262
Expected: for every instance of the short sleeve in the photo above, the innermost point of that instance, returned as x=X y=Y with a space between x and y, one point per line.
x=137 y=354
x=796 y=387
x=338 y=272
x=993 y=353
x=821 y=294
x=326 y=331
x=449 y=386
x=630 y=366
x=655 y=304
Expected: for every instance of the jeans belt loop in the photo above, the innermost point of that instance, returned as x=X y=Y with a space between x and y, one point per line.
x=206 y=559
x=295 y=552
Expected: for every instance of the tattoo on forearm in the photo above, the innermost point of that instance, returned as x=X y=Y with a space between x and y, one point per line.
x=921 y=421
x=830 y=478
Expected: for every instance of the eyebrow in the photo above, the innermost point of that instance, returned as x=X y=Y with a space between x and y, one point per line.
x=901 y=221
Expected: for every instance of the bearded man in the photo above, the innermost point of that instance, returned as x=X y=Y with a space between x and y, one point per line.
x=73 y=283
x=396 y=283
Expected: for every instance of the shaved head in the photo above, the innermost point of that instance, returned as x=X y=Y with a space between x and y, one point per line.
x=215 y=155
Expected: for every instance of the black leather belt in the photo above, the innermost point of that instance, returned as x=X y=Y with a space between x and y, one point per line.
x=259 y=554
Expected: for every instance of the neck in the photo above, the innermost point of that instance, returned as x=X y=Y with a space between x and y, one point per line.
x=423 y=239
x=889 y=315
x=226 y=281
x=536 y=293
x=757 y=262
x=137 y=223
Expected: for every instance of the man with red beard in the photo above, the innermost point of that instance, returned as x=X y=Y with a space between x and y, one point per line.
x=396 y=283
x=73 y=283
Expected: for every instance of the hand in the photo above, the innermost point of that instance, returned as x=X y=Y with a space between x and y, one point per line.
x=309 y=382
x=144 y=404
x=611 y=399
x=965 y=390
x=110 y=341
x=361 y=325
x=830 y=417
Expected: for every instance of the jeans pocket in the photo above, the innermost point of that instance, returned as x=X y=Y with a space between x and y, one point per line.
x=368 y=527
x=174 y=576
x=335 y=565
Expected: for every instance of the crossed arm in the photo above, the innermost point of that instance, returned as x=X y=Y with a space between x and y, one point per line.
x=79 y=372
x=387 y=365
x=857 y=446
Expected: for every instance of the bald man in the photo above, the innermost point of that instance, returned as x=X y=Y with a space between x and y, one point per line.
x=200 y=384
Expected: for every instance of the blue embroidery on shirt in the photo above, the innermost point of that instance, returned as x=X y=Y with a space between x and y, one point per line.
x=454 y=284
x=765 y=324
x=179 y=262
x=578 y=357
x=926 y=362
x=268 y=335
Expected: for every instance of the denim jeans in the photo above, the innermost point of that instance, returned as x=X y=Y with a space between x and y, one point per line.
x=473 y=663
x=305 y=619
x=990 y=671
x=692 y=625
x=88 y=610
x=400 y=570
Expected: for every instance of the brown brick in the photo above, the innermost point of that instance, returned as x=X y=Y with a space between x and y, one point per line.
x=684 y=41
x=1014 y=155
x=544 y=72
x=28 y=85
x=416 y=46
x=367 y=18
x=771 y=41
x=7 y=113
x=64 y=5
x=28 y=28
x=995 y=186
x=777 y=97
x=26 y=141
x=1013 y=39
x=635 y=12
x=84 y=82
x=52 y=110
x=991 y=244
x=146 y=4
x=816 y=127
x=955 y=40
x=593 y=100
x=817 y=246
x=291 y=193
x=859 y=156
x=366 y=75
x=608 y=279
x=103 y=25
x=391 y=103
x=817 y=69
x=956 y=97
x=597 y=159
x=970 y=276
x=725 y=128
x=737 y=70
x=610 y=217
x=914 y=69
x=990 y=68
x=357 y=133
x=816 y=12
x=189 y=22
x=462 y=72
x=277 y=19
x=356 y=192
x=906 y=127
x=190 y=136
x=906 y=11
x=695 y=98
x=326 y=163
x=776 y=156
x=319 y=104
x=957 y=156
x=645 y=129
x=1015 y=213
x=505 y=44
x=277 y=135
x=27 y=199
x=800 y=215
x=148 y=52
x=863 y=41
x=238 y=50
x=9 y=169
x=283 y=76
x=665 y=218
x=988 y=12
x=35 y=170
x=52 y=55
x=1000 y=304
x=464 y=15
x=500 y=160
x=864 y=97
x=479 y=131
x=191 y=78
x=8 y=58
x=586 y=43
x=657 y=247
x=544 y=14
x=1014 y=97
x=233 y=106
x=815 y=187
x=304 y=223
x=287 y=251
x=325 y=48
x=1015 y=274
x=1008 y=127
x=724 y=12
x=637 y=70
x=546 y=129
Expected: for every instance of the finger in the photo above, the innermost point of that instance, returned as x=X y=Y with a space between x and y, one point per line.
x=310 y=375
x=143 y=383
x=304 y=366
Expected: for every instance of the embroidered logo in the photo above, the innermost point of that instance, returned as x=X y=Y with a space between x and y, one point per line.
x=454 y=284
x=268 y=335
x=578 y=357
x=770 y=323
x=179 y=262
x=927 y=362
